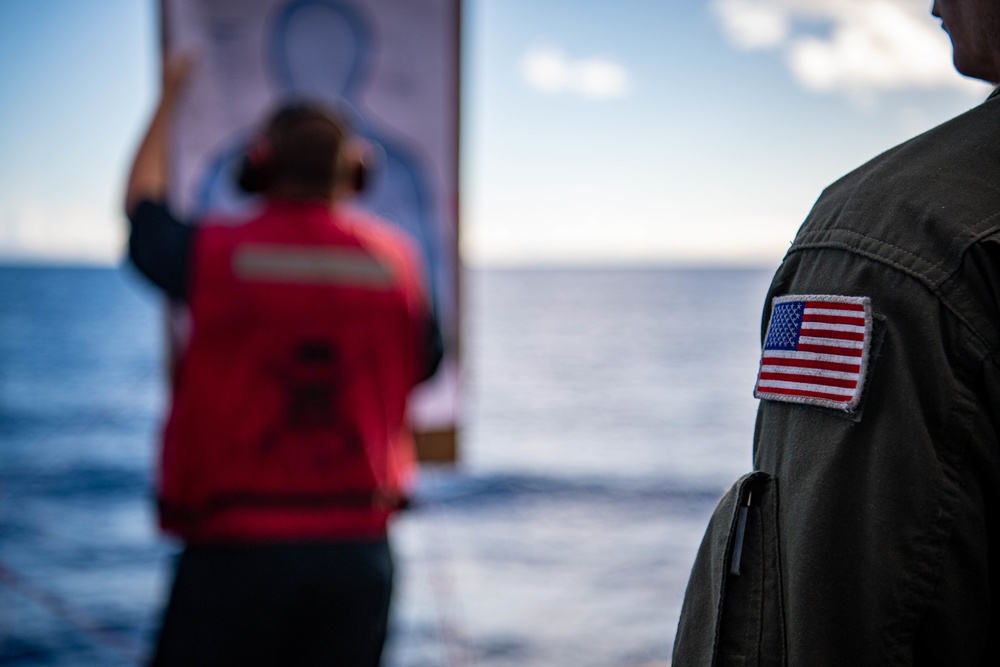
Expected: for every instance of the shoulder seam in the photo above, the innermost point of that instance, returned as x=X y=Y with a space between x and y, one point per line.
x=935 y=287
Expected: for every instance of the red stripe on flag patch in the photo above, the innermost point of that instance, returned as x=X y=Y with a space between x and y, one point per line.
x=829 y=349
x=834 y=305
x=824 y=365
x=837 y=335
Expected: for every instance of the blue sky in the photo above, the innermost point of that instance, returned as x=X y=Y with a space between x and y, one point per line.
x=594 y=131
x=76 y=82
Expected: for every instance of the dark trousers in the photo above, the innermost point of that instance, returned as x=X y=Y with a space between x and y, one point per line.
x=278 y=604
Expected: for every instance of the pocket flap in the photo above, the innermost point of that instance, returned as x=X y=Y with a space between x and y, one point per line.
x=732 y=612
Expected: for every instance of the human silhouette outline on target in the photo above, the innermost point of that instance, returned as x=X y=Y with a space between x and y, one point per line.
x=336 y=35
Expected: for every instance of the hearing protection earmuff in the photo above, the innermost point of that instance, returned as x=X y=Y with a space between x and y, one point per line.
x=255 y=167
x=362 y=160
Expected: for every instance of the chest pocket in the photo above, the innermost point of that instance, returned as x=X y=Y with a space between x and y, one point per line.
x=732 y=612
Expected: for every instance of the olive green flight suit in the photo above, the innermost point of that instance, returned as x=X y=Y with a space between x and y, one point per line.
x=872 y=537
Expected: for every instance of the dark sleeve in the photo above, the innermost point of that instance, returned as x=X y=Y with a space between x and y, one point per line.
x=433 y=347
x=865 y=537
x=161 y=246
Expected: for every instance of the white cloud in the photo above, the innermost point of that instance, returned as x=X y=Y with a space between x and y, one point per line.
x=552 y=71
x=864 y=47
x=752 y=24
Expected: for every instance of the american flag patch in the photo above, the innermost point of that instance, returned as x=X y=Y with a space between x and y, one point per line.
x=816 y=351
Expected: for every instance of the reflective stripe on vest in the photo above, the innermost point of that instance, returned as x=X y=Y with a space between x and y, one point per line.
x=305 y=264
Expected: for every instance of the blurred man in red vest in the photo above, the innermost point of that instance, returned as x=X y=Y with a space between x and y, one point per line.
x=286 y=450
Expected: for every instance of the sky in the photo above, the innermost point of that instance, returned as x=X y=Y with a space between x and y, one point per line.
x=594 y=132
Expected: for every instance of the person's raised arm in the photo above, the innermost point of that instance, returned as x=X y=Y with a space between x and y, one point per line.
x=148 y=176
x=160 y=246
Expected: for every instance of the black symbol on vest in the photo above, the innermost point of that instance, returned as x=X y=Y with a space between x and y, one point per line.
x=313 y=426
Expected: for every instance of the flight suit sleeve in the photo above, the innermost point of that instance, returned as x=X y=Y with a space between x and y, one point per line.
x=862 y=536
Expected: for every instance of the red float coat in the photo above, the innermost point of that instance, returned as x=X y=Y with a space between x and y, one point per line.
x=288 y=417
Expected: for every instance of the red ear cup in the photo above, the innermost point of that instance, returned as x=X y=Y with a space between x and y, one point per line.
x=261 y=154
x=359 y=180
x=363 y=158
x=255 y=169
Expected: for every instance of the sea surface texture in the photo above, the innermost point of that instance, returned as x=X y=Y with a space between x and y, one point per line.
x=604 y=414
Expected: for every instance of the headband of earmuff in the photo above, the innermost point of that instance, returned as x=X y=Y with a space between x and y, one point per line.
x=258 y=162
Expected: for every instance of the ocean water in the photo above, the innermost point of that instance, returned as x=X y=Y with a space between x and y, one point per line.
x=604 y=414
